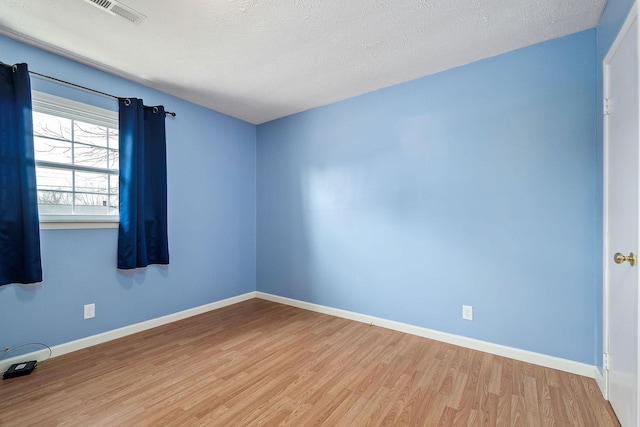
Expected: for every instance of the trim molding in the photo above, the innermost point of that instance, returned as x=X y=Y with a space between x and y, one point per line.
x=487 y=347
x=103 y=337
x=553 y=362
x=601 y=380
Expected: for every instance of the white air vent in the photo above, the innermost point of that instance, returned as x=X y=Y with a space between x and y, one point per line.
x=118 y=9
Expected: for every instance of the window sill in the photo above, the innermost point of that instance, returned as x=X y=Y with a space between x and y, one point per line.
x=48 y=222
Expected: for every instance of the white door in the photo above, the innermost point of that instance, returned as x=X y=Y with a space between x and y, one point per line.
x=621 y=218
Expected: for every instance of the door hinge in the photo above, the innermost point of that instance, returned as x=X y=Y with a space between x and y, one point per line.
x=605 y=361
x=606 y=110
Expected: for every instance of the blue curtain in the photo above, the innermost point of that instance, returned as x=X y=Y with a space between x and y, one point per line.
x=142 y=237
x=19 y=224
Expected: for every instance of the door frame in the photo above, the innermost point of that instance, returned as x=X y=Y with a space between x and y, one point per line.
x=604 y=383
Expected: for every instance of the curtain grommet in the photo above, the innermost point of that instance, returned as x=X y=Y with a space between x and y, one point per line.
x=155 y=110
x=127 y=102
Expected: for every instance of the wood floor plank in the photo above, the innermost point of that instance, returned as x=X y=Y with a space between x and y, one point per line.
x=259 y=363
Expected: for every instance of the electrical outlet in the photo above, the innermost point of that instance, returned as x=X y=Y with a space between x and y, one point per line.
x=89 y=311
x=467 y=312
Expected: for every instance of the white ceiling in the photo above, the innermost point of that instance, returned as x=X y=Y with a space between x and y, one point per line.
x=259 y=60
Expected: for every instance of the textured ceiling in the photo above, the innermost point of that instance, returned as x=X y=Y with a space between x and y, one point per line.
x=259 y=60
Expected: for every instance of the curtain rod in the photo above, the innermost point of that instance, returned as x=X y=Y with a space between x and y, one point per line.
x=88 y=89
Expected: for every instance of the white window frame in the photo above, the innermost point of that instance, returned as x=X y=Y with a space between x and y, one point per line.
x=63 y=107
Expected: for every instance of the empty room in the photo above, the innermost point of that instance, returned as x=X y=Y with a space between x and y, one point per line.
x=305 y=213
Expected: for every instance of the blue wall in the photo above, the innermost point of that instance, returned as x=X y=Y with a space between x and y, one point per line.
x=480 y=185
x=473 y=186
x=211 y=191
x=611 y=21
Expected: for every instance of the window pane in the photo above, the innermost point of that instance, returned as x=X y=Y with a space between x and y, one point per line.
x=113 y=138
x=114 y=205
x=75 y=159
x=90 y=134
x=91 y=204
x=114 y=160
x=55 y=202
x=90 y=182
x=90 y=156
x=52 y=150
x=113 y=181
x=51 y=126
x=54 y=179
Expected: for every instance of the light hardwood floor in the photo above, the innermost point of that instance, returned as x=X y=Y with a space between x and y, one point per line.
x=259 y=363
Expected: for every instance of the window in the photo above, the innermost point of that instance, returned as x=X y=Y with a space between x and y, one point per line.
x=76 y=152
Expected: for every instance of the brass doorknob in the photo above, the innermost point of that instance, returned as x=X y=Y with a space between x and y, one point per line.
x=619 y=258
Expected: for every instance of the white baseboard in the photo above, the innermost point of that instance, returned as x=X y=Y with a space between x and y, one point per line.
x=70 y=346
x=553 y=362
x=601 y=380
x=487 y=347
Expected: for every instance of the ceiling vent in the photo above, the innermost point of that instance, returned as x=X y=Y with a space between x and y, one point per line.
x=118 y=9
